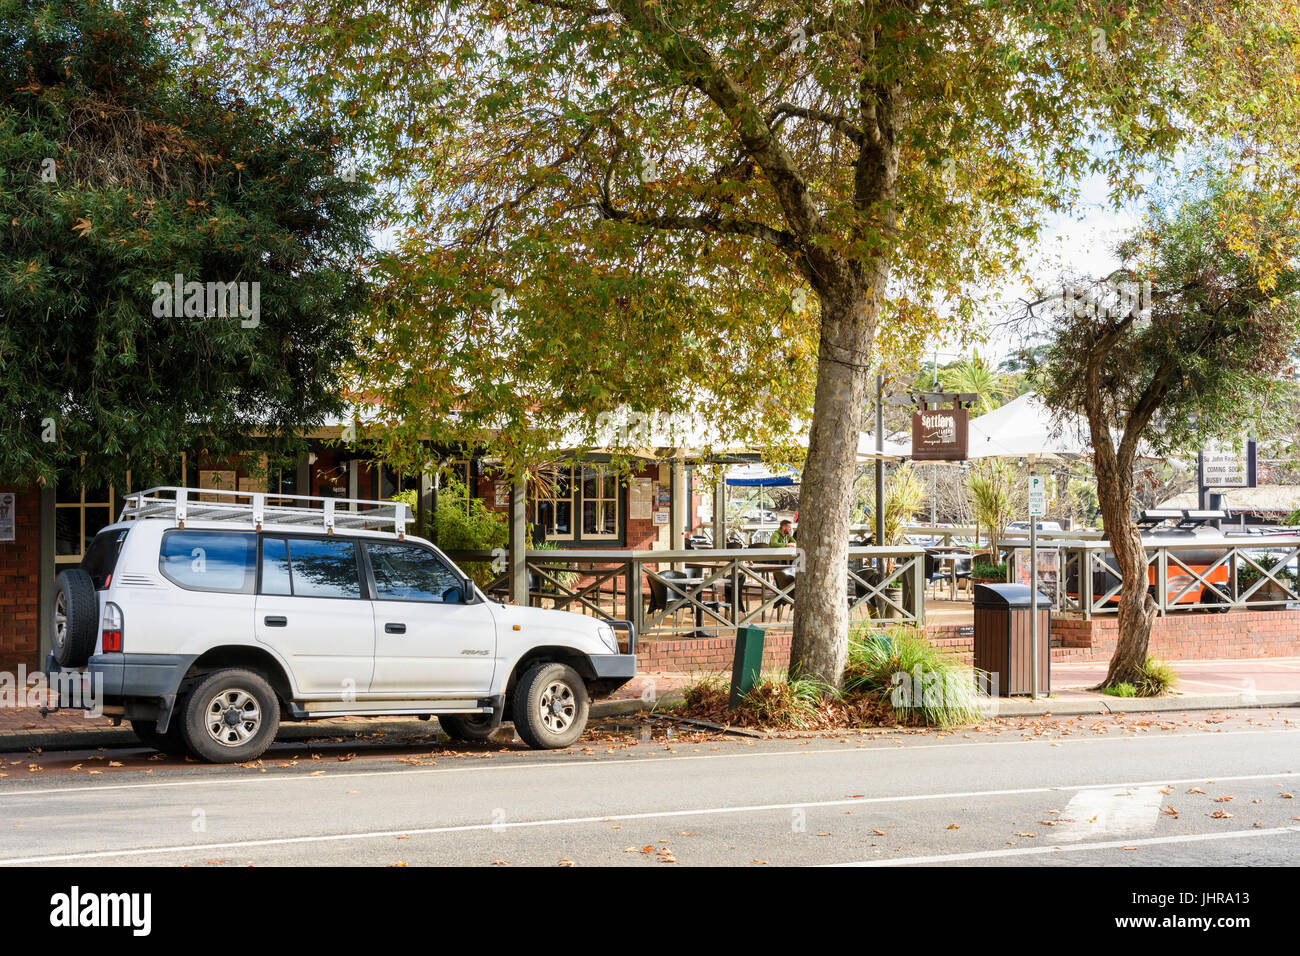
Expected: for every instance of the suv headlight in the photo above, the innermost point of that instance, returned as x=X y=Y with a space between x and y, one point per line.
x=608 y=636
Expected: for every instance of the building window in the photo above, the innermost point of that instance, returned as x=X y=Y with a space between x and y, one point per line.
x=599 y=504
x=80 y=513
x=579 y=505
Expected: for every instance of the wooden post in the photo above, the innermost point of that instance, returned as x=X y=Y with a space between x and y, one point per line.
x=424 y=504
x=518 y=545
x=720 y=511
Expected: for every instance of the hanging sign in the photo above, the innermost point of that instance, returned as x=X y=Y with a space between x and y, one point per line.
x=940 y=434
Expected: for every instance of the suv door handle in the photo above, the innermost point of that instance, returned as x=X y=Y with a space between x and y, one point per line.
x=394 y=628
x=275 y=620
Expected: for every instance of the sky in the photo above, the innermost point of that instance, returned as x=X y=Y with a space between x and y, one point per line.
x=1082 y=243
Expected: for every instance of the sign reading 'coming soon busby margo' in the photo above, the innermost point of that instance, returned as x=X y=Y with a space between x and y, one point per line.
x=940 y=434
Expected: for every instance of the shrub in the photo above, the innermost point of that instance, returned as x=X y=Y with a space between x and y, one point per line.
x=1157 y=679
x=464 y=523
x=921 y=683
x=983 y=570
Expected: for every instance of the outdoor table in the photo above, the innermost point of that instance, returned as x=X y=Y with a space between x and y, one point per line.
x=679 y=587
x=948 y=555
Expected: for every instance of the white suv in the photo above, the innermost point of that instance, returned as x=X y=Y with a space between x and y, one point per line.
x=212 y=616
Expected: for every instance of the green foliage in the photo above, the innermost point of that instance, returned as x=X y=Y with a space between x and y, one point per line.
x=464 y=523
x=1220 y=327
x=983 y=570
x=650 y=185
x=975 y=376
x=116 y=173
x=1122 y=689
x=921 y=682
x=904 y=494
x=990 y=492
x=1156 y=680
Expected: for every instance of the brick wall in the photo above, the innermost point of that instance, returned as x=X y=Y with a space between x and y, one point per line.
x=1190 y=636
x=20 y=582
x=1237 y=634
x=702 y=655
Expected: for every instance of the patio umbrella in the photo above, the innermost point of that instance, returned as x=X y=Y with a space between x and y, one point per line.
x=1026 y=428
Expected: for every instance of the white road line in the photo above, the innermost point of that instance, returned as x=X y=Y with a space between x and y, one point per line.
x=607 y=818
x=1109 y=813
x=635 y=761
x=1073 y=847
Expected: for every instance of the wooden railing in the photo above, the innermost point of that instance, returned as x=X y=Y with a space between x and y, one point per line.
x=1187 y=575
x=721 y=591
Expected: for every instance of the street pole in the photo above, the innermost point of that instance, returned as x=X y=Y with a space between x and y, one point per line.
x=878 y=539
x=1033 y=590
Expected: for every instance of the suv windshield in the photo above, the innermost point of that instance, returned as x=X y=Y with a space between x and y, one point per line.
x=101 y=556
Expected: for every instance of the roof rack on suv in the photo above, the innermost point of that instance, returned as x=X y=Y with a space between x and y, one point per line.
x=257 y=508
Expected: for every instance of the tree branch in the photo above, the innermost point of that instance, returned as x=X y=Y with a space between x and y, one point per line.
x=822 y=116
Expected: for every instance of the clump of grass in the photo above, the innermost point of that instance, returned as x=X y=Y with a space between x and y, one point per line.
x=705 y=692
x=1157 y=678
x=776 y=701
x=920 y=682
x=1122 y=689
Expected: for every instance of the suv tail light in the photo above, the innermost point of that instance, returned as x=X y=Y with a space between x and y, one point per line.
x=110 y=636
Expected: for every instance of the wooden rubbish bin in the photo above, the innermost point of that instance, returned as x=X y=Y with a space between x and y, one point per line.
x=1003 y=638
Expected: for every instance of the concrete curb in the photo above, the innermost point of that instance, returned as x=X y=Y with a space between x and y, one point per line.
x=1105 y=704
x=64 y=739
x=91 y=737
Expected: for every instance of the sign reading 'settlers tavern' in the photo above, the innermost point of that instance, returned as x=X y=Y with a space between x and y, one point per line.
x=940 y=434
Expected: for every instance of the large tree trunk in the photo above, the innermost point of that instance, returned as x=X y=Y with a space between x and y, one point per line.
x=1137 y=609
x=820 y=642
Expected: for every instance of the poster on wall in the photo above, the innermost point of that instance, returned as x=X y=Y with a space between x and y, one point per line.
x=1049 y=571
x=640 y=499
x=7 y=508
x=661 y=517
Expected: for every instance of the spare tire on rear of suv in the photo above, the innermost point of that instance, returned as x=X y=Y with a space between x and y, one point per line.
x=74 y=623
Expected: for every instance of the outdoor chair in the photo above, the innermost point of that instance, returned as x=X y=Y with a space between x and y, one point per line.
x=783 y=579
x=662 y=599
x=933 y=570
x=963 y=571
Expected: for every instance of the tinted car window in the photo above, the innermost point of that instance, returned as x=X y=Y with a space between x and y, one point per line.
x=310 y=567
x=101 y=556
x=406 y=573
x=209 y=560
x=275 y=566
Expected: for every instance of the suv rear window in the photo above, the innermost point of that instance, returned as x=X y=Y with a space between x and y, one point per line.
x=101 y=557
x=310 y=567
x=210 y=560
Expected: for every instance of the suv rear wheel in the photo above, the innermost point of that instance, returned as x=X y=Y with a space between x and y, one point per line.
x=231 y=716
x=467 y=727
x=550 y=706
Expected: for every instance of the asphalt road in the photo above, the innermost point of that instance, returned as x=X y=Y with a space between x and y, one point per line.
x=1113 y=790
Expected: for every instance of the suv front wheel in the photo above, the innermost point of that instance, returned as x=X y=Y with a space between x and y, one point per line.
x=550 y=706
x=231 y=716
